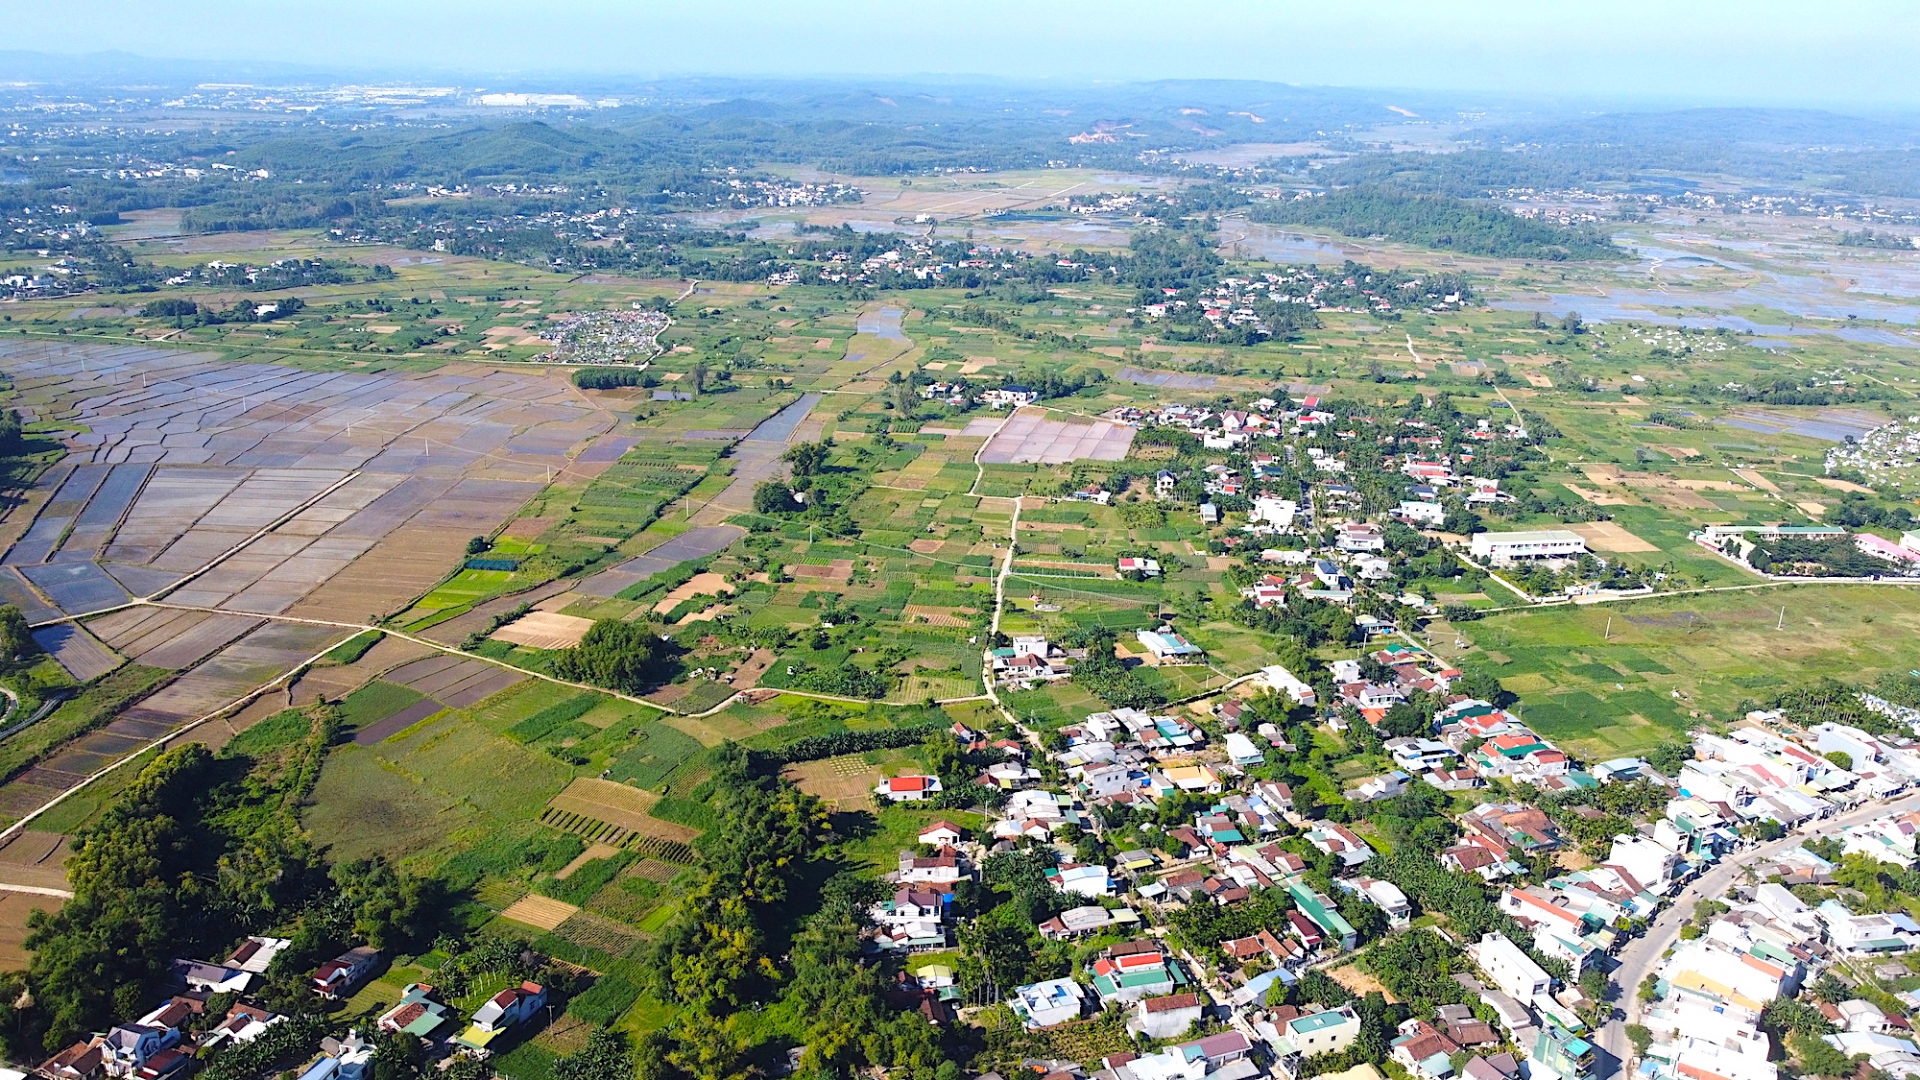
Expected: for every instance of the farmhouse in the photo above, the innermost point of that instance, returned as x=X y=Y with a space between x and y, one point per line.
x=1010 y=396
x=908 y=788
x=1168 y=647
x=502 y=1011
x=338 y=976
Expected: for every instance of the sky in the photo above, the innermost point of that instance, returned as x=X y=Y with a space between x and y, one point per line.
x=1858 y=53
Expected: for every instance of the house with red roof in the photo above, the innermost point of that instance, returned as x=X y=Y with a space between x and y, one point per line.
x=908 y=788
x=941 y=833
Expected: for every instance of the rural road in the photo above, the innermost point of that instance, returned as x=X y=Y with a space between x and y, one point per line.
x=1641 y=955
x=36 y=890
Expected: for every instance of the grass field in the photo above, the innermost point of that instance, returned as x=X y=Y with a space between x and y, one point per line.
x=1609 y=679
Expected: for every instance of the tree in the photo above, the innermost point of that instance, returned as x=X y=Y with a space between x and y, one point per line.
x=1640 y=1037
x=12 y=433
x=808 y=459
x=169 y=309
x=1594 y=984
x=773 y=497
x=1369 y=922
x=624 y=656
x=700 y=373
x=1841 y=758
x=16 y=639
x=1484 y=686
x=1830 y=989
x=1404 y=720
x=1820 y=1057
x=478 y=545
x=605 y=1057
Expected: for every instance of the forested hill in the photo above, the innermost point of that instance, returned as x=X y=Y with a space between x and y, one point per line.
x=1437 y=221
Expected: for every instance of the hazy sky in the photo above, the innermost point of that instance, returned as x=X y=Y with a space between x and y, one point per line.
x=1858 y=52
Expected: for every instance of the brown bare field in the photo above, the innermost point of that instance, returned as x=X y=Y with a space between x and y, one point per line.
x=935 y=616
x=529 y=528
x=406 y=563
x=1812 y=509
x=540 y=912
x=545 y=630
x=14 y=909
x=747 y=673
x=1681 y=499
x=339 y=680
x=1534 y=378
x=215 y=734
x=1358 y=981
x=35 y=858
x=842 y=781
x=620 y=805
x=594 y=851
x=710 y=583
x=838 y=570
x=1571 y=859
x=1678 y=453
x=1841 y=485
x=1611 y=537
x=1753 y=477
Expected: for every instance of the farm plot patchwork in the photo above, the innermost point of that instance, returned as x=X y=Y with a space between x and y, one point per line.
x=186 y=458
x=1032 y=436
x=239 y=490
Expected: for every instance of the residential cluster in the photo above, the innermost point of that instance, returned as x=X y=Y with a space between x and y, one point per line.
x=169 y=1040
x=606 y=337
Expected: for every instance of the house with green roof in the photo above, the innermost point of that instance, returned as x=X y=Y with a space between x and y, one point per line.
x=1323 y=914
x=417 y=1014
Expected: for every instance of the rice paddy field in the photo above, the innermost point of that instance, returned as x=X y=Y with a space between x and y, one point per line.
x=1616 y=679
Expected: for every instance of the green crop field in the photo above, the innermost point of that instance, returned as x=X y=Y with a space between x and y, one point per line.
x=1588 y=677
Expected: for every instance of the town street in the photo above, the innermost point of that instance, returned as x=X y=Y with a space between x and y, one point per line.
x=1641 y=955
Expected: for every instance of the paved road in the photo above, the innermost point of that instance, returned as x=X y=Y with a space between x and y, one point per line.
x=1641 y=955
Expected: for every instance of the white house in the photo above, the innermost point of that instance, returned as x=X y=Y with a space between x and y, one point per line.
x=1089 y=881
x=1285 y=682
x=1010 y=396
x=1423 y=513
x=941 y=834
x=1166 y=1017
x=1880 y=932
x=1242 y=751
x=908 y=788
x=1045 y=1004
x=1501 y=548
x=1278 y=513
x=1510 y=969
x=1168 y=647
x=1654 y=866
x=1360 y=536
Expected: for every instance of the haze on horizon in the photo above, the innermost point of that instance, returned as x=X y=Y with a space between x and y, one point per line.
x=1852 y=54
